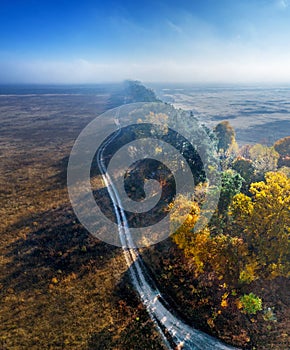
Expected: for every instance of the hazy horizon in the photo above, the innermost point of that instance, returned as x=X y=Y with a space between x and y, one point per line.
x=156 y=84
x=69 y=42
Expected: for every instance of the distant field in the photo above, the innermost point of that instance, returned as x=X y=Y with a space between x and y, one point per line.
x=60 y=288
x=258 y=114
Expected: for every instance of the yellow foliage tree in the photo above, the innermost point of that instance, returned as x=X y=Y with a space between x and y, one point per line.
x=263 y=222
x=205 y=253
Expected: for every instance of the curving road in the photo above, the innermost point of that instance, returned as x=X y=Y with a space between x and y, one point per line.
x=175 y=333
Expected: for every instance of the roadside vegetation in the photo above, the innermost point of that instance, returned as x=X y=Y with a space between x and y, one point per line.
x=232 y=278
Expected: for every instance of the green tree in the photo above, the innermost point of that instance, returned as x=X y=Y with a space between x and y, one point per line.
x=246 y=169
x=251 y=303
x=231 y=185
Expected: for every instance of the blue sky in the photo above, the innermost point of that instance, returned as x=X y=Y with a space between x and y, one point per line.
x=185 y=41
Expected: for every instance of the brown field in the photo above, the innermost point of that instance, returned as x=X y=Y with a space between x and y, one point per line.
x=60 y=287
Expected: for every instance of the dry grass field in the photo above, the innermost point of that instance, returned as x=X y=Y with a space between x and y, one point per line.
x=60 y=287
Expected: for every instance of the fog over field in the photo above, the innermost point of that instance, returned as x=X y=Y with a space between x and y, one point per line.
x=258 y=114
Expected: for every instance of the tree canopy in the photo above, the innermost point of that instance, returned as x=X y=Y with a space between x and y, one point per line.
x=226 y=136
x=263 y=222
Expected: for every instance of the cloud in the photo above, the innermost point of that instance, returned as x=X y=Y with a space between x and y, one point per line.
x=174 y=27
x=283 y=4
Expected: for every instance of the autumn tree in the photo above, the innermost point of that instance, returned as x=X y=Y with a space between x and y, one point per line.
x=282 y=146
x=226 y=143
x=217 y=254
x=226 y=136
x=285 y=170
x=244 y=151
x=264 y=159
x=263 y=222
